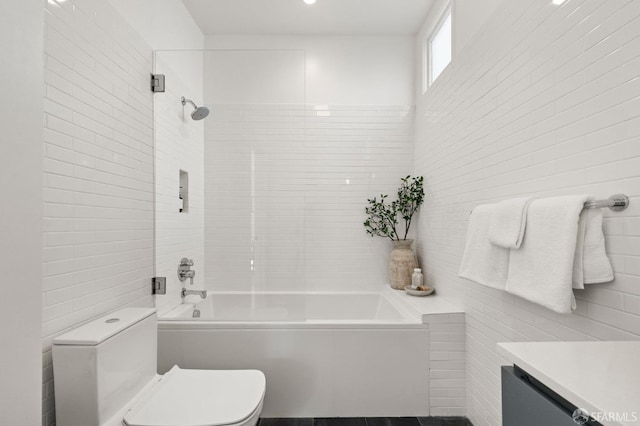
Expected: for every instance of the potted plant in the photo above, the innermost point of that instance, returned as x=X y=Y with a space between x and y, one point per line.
x=384 y=221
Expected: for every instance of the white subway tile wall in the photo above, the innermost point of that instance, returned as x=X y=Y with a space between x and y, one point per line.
x=447 y=367
x=98 y=171
x=545 y=101
x=285 y=192
x=179 y=146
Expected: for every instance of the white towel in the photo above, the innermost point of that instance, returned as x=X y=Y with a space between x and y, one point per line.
x=591 y=264
x=509 y=221
x=482 y=261
x=541 y=271
x=596 y=264
x=578 y=266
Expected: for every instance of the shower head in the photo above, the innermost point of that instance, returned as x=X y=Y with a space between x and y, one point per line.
x=199 y=112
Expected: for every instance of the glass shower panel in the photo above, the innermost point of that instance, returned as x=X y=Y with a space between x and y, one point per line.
x=229 y=187
x=254 y=152
x=179 y=173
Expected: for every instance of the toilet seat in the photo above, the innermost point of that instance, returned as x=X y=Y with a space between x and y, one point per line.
x=201 y=398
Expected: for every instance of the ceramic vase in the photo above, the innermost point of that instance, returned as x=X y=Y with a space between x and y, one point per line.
x=401 y=264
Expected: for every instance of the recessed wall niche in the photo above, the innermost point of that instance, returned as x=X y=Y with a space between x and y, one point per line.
x=184 y=192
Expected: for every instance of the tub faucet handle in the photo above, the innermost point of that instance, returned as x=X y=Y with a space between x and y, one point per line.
x=186 y=262
x=185 y=271
x=183 y=275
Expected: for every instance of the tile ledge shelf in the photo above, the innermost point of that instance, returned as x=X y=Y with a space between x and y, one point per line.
x=434 y=308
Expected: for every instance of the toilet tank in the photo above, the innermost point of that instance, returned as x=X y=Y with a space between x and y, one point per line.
x=100 y=366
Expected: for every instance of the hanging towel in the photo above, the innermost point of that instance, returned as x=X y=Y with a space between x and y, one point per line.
x=482 y=261
x=508 y=222
x=591 y=264
x=596 y=264
x=578 y=257
x=541 y=271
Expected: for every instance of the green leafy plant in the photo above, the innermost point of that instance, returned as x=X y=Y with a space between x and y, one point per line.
x=383 y=220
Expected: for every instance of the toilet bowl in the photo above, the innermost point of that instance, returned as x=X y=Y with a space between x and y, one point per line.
x=202 y=398
x=105 y=375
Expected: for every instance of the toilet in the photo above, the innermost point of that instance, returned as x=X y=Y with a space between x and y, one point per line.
x=106 y=375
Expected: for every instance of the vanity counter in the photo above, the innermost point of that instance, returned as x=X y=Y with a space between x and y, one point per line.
x=600 y=377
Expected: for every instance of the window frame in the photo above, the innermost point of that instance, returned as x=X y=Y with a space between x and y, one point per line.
x=427 y=51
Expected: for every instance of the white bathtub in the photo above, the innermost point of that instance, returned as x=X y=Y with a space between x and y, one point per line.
x=291 y=307
x=324 y=354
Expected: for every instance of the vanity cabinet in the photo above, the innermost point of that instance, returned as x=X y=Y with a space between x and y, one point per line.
x=528 y=402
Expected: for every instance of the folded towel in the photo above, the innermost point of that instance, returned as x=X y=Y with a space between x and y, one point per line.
x=591 y=264
x=482 y=261
x=541 y=271
x=509 y=221
x=578 y=266
x=596 y=264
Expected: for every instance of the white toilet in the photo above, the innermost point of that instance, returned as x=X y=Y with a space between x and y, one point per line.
x=105 y=375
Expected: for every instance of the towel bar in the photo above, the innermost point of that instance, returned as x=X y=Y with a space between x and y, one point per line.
x=617 y=203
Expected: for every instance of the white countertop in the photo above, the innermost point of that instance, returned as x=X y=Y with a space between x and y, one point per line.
x=600 y=377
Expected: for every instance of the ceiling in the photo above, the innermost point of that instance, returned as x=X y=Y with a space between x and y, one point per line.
x=325 y=17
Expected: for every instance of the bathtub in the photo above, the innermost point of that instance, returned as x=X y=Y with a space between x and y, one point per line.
x=324 y=354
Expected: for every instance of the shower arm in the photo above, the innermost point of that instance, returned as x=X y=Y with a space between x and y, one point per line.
x=188 y=101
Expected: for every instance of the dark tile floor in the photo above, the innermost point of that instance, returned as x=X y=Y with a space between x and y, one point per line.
x=368 y=421
x=444 y=421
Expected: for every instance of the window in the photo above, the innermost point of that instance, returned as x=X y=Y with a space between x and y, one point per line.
x=438 y=49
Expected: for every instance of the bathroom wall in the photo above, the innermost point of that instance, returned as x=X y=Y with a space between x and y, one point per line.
x=163 y=24
x=21 y=35
x=342 y=70
x=470 y=16
x=280 y=174
x=98 y=169
x=543 y=101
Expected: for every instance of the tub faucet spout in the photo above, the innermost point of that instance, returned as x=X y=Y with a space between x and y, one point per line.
x=201 y=293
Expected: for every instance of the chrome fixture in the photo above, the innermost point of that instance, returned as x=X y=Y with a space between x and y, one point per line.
x=184 y=270
x=199 y=112
x=190 y=275
x=616 y=203
x=159 y=285
x=201 y=293
x=157 y=83
x=196 y=313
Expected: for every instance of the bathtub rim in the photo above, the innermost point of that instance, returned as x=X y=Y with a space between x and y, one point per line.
x=410 y=317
